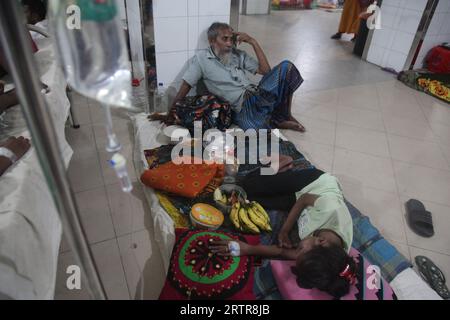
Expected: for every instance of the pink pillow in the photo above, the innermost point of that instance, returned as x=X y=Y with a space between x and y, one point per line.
x=289 y=289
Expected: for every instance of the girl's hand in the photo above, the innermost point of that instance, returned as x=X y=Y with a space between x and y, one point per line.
x=220 y=247
x=283 y=240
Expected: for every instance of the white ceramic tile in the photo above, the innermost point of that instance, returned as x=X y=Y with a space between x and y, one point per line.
x=376 y=54
x=257 y=6
x=366 y=169
x=315 y=111
x=439 y=242
x=317 y=130
x=329 y=97
x=384 y=210
x=383 y=38
x=84 y=172
x=443 y=6
x=395 y=60
x=418 y=152
x=393 y=3
x=214 y=8
x=360 y=118
x=388 y=15
x=172 y=8
x=402 y=42
x=359 y=97
x=443 y=38
x=362 y=140
x=109 y=265
x=204 y=22
x=171 y=34
x=422 y=182
x=446 y=25
x=192 y=8
x=435 y=110
x=417 y=5
x=143 y=266
x=81 y=140
x=193 y=33
x=442 y=132
x=400 y=103
x=171 y=66
x=416 y=129
x=129 y=211
x=321 y=155
x=409 y=21
x=95 y=216
x=435 y=26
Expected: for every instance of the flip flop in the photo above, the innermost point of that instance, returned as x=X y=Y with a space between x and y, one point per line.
x=432 y=275
x=419 y=219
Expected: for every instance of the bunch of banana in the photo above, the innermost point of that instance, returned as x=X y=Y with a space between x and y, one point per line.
x=250 y=217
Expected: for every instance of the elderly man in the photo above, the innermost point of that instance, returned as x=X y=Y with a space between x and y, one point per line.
x=223 y=69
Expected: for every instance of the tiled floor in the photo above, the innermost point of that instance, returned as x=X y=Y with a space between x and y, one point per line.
x=386 y=143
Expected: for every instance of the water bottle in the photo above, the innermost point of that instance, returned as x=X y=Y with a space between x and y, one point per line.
x=161 y=101
x=119 y=164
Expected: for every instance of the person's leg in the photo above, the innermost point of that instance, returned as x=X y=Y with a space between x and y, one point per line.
x=279 y=85
x=279 y=184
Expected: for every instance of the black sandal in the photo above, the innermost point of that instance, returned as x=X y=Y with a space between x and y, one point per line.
x=419 y=219
x=433 y=276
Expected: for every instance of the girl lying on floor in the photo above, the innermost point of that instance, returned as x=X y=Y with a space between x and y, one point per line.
x=324 y=227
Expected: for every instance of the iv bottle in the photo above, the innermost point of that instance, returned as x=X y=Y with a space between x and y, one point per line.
x=119 y=164
x=161 y=99
x=91 y=46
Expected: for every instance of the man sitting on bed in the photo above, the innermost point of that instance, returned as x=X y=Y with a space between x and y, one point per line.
x=223 y=69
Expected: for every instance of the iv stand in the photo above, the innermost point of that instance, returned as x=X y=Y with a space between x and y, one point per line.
x=17 y=49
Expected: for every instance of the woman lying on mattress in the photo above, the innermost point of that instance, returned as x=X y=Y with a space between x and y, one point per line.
x=324 y=227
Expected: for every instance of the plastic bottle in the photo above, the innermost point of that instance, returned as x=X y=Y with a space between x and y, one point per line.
x=161 y=103
x=119 y=164
x=91 y=45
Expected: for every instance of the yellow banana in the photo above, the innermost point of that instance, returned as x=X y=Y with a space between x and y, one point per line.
x=256 y=219
x=234 y=215
x=246 y=222
x=261 y=210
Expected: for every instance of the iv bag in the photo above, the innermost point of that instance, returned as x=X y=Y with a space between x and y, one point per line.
x=91 y=44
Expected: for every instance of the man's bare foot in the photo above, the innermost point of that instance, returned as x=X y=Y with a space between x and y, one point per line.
x=291 y=125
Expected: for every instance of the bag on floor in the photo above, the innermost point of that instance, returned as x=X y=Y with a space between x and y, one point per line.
x=213 y=113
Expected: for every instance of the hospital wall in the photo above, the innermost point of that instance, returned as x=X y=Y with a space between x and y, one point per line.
x=180 y=30
x=399 y=23
x=438 y=31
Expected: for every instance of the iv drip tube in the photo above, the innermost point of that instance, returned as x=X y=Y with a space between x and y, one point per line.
x=18 y=54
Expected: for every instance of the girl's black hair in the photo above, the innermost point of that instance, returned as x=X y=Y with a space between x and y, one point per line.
x=321 y=267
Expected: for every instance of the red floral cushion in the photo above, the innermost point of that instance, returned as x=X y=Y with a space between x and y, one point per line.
x=194 y=273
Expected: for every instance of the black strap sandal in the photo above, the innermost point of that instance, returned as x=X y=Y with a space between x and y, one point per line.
x=419 y=219
x=432 y=275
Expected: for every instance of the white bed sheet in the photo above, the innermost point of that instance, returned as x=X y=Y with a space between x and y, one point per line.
x=30 y=228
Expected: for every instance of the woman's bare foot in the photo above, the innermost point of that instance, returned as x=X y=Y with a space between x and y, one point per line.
x=291 y=125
